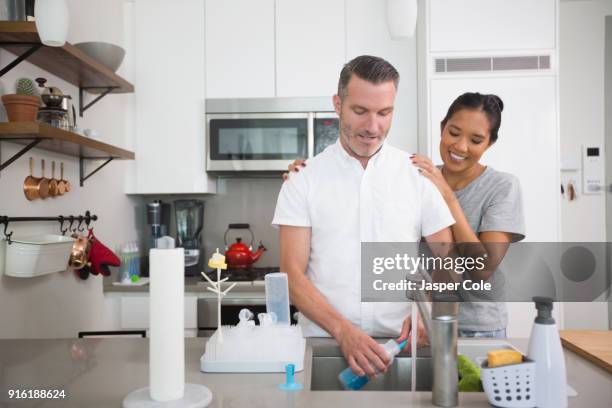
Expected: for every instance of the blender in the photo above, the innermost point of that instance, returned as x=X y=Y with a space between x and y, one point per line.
x=189 y=224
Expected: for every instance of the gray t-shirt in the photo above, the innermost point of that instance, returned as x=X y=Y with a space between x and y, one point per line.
x=491 y=202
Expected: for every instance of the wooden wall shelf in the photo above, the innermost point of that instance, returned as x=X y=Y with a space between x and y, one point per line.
x=47 y=137
x=67 y=62
x=72 y=65
x=60 y=141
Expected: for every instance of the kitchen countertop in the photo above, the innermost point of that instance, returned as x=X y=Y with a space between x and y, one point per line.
x=594 y=345
x=101 y=372
x=193 y=286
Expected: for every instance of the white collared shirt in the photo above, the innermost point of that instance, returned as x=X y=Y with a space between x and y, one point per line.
x=344 y=205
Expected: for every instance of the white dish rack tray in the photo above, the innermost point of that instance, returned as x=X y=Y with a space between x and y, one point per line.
x=35 y=255
x=254 y=349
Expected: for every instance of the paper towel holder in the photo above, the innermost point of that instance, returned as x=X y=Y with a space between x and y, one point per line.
x=195 y=396
x=166 y=291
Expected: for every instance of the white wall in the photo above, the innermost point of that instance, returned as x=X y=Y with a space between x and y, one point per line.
x=367 y=33
x=238 y=200
x=581 y=78
x=60 y=305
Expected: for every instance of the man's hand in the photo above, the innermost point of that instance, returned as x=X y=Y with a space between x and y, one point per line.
x=364 y=355
x=407 y=332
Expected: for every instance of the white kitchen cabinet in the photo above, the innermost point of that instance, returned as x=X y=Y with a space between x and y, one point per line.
x=135 y=313
x=239 y=48
x=167 y=55
x=486 y=25
x=310 y=47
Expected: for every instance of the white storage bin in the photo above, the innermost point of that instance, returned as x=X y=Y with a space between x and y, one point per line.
x=36 y=255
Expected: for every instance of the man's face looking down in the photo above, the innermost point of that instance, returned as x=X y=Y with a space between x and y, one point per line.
x=365 y=114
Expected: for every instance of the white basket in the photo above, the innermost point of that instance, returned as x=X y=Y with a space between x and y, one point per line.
x=36 y=255
x=511 y=385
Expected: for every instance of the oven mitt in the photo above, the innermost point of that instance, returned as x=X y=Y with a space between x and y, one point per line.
x=101 y=257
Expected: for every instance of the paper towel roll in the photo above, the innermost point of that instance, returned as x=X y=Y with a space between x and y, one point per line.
x=167 y=344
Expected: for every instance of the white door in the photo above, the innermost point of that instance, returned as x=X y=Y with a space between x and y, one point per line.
x=310 y=47
x=239 y=48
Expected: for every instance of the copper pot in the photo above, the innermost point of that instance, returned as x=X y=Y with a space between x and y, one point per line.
x=43 y=183
x=35 y=187
x=53 y=185
x=63 y=185
x=30 y=184
x=80 y=251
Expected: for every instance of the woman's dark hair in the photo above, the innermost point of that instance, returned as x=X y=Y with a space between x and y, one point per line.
x=490 y=104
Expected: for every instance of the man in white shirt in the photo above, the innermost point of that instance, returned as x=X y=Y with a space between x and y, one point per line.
x=358 y=190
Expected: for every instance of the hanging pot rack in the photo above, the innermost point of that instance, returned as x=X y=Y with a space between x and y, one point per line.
x=82 y=222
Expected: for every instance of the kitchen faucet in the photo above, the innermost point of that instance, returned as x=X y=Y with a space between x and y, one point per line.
x=441 y=327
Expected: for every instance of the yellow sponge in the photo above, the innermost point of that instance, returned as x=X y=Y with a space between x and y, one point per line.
x=498 y=358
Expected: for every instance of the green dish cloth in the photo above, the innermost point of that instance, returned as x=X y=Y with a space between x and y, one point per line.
x=469 y=375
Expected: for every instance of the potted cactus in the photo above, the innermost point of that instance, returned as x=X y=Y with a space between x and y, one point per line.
x=23 y=105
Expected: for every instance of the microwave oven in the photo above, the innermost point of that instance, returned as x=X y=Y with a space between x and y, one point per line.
x=267 y=134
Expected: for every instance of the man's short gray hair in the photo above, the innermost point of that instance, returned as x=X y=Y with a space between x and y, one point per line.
x=375 y=70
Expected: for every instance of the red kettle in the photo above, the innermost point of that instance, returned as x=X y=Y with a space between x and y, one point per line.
x=238 y=255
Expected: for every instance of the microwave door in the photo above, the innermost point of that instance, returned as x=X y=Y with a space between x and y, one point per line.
x=326 y=130
x=256 y=142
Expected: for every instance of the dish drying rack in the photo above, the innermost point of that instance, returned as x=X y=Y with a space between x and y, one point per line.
x=266 y=348
x=269 y=347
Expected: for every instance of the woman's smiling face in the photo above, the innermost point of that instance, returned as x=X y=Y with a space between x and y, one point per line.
x=465 y=137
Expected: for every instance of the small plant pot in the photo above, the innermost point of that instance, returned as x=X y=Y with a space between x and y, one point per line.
x=21 y=108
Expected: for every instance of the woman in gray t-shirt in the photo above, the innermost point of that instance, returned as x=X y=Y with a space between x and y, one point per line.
x=485 y=203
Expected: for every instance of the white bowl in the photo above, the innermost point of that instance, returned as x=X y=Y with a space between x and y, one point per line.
x=109 y=55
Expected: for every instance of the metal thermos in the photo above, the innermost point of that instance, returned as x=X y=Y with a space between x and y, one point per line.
x=445 y=392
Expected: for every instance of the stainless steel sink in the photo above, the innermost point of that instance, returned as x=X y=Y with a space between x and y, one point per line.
x=328 y=362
